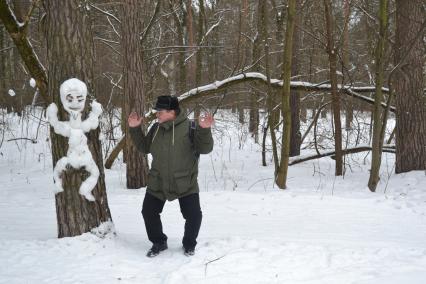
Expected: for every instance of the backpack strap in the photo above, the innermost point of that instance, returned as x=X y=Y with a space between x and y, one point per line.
x=192 y=129
x=154 y=128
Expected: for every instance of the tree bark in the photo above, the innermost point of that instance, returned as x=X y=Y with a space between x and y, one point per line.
x=134 y=99
x=378 y=113
x=409 y=84
x=70 y=53
x=295 y=140
x=281 y=178
x=191 y=42
x=180 y=77
x=332 y=56
x=349 y=108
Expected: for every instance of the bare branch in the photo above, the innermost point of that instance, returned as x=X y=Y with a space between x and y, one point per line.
x=151 y=22
x=301 y=159
x=106 y=13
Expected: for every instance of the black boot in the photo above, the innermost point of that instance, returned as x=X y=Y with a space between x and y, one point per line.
x=156 y=249
x=189 y=251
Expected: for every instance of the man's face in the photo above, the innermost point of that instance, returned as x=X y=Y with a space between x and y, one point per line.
x=165 y=115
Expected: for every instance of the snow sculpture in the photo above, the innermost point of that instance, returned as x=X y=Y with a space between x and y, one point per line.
x=73 y=97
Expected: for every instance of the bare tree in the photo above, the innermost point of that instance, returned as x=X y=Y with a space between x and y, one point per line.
x=281 y=178
x=332 y=57
x=378 y=97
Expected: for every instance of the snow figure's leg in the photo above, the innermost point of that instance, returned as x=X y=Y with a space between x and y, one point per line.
x=88 y=185
x=59 y=168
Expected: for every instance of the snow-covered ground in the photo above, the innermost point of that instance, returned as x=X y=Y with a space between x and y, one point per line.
x=322 y=229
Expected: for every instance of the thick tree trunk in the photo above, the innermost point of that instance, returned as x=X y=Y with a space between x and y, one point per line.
x=409 y=85
x=136 y=162
x=70 y=53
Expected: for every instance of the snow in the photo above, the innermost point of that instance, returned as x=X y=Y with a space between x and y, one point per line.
x=277 y=83
x=32 y=83
x=323 y=229
x=11 y=93
x=18 y=23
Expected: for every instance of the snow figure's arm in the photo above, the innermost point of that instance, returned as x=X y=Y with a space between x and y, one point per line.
x=92 y=121
x=60 y=127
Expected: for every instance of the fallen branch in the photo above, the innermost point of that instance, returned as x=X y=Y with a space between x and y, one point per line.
x=275 y=83
x=301 y=159
x=34 y=141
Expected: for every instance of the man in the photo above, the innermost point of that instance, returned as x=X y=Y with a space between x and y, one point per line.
x=175 y=146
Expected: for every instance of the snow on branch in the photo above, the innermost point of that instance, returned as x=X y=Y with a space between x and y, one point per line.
x=275 y=83
x=361 y=148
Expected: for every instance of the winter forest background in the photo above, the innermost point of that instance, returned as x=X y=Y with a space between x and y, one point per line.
x=318 y=170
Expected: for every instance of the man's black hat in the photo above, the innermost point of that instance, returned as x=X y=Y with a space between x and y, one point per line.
x=166 y=103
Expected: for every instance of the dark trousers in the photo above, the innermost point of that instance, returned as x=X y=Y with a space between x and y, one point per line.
x=191 y=212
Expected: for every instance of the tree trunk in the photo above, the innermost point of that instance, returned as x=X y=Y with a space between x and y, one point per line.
x=191 y=43
x=254 y=106
x=409 y=85
x=281 y=178
x=200 y=33
x=3 y=75
x=263 y=36
x=295 y=140
x=378 y=97
x=180 y=77
x=134 y=100
x=70 y=53
x=332 y=56
x=349 y=109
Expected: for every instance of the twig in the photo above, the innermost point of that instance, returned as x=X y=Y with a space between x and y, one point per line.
x=208 y=262
x=34 y=141
x=258 y=182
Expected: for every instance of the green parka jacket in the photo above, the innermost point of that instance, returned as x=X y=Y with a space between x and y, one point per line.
x=174 y=167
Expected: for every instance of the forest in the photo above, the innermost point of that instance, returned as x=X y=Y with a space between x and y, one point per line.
x=303 y=80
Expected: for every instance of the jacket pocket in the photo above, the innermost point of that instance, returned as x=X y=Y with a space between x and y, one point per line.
x=154 y=180
x=183 y=181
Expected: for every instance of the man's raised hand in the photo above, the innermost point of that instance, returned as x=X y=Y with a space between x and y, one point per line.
x=206 y=121
x=134 y=120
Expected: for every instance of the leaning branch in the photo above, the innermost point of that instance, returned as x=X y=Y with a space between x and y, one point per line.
x=353 y=150
x=218 y=86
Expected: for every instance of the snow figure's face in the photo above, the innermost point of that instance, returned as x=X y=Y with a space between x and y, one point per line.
x=73 y=96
